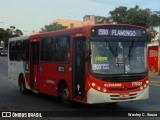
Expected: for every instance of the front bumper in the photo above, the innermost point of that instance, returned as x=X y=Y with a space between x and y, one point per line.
x=94 y=96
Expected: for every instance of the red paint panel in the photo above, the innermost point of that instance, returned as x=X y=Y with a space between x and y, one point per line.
x=153 y=58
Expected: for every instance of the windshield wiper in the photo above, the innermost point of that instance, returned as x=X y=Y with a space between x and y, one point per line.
x=112 y=51
x=130 y=49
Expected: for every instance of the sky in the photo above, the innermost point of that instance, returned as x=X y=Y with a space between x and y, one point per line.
x=29 y=15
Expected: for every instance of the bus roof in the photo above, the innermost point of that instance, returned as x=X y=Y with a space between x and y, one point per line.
x=19 y=38
x=65 y=31
x=70 y=31
x=78 y=30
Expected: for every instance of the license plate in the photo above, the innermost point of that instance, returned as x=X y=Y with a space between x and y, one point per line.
x=124 y=95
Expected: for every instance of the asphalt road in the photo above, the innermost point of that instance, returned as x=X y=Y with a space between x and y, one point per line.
x=12 y=100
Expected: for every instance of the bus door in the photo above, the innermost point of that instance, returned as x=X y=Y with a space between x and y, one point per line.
x=34 y=65
x=79 y=68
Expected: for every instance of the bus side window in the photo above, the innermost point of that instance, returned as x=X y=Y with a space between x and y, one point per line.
x=61 y=52
x=12 y=51
x=25 y=52
x=46 y=49
x=18 y=52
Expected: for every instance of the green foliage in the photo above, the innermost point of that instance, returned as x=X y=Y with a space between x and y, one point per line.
x=101 y=20
x=119 y=15
x=5 y=34
x=136 y=16
x=52 y=27
x=151 y=34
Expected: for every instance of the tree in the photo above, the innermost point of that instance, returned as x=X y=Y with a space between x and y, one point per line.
x=52 y=27
x=9 y=33
x=14 y=32
x=119 y=15
x=101 y=20
x=136 y=16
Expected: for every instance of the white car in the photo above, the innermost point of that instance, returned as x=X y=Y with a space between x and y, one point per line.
x=3 y=53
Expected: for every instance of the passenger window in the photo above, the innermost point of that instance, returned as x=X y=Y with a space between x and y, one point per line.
x=18 y=51
x=46 y=49
x=61 y=52
x=25 y=52
x=12 y=51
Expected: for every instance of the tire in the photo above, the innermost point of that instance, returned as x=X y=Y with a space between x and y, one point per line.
x=65 y=96
x=22 y=85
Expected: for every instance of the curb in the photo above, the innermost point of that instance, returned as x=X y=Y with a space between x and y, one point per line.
x=154 y=83
x=155 y=79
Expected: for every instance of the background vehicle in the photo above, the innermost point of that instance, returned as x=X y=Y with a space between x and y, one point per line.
x=1 y=47
x=91 y=64
x=3 y=52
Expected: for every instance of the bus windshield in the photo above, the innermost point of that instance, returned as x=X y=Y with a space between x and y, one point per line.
x=118 y=57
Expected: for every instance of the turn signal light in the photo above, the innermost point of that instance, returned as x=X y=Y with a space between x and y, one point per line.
x=147 y=82
x=98 y=88
x=104 y=89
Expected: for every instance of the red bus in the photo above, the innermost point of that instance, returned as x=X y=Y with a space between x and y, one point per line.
x=153 y=58
x=92 y=64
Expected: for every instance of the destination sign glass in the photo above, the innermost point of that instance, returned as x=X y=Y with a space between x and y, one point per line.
x=117 y=32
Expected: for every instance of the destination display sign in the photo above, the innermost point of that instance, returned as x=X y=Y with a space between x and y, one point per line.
x=117 y=32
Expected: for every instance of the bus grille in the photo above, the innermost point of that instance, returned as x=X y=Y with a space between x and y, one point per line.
x=117 y=97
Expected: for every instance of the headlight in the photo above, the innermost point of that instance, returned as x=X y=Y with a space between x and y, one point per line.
x=93 y=84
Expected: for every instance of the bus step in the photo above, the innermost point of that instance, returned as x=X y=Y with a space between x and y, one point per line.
x=35 y=91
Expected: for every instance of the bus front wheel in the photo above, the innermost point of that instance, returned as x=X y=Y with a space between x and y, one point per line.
x=65 y=96
x=22 y=85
